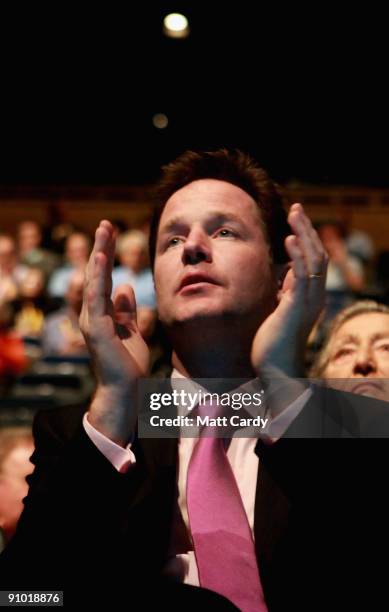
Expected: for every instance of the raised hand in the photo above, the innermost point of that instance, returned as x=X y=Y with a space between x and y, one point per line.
x=279 y=344
x=119 y=354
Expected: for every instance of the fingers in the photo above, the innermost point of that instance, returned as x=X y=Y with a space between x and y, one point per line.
x=98 y=275
x=98 y=286
x=296 y=255
x=306 y=244
x=111 y=242
x=104 y=242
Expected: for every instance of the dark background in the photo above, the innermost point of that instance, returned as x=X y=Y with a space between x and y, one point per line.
x=302 y=89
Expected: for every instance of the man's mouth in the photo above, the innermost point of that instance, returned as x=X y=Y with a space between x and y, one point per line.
x=197 y=279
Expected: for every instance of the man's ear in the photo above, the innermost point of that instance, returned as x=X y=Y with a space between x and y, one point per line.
x=280 y=271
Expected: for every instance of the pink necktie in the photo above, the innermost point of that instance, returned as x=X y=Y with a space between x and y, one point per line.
x=221 y=534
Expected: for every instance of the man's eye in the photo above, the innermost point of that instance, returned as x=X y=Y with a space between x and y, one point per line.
x=225 y=233
x=384 y=347
x=174 y=241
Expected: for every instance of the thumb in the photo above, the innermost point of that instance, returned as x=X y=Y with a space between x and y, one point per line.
x=124 y=306
x=288 y=284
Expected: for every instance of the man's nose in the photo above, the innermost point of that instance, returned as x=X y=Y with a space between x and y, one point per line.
x=365 y=363
x=197 y=248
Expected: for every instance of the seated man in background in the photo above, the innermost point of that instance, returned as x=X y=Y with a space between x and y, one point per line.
x=134 y=269
x=77 y=249
x=345 y=274
x=31 y=253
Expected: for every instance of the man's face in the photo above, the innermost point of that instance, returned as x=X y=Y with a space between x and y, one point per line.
x=359 y=352
x=212 y=258
x=134 y=256
x=33 y=283
x=29 y=236
x=77 y=250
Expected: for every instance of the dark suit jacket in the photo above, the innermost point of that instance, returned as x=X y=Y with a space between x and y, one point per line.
x=321 y=512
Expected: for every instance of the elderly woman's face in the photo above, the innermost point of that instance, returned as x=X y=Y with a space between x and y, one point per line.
x=359 y=354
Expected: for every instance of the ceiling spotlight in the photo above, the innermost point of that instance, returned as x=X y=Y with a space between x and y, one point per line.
x=176 y=25
x=160 y=121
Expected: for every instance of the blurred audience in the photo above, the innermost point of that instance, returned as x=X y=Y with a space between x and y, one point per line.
x=78 y=246
x=16 y=448
x=61 y=333
x=40 y=298
x=132 y=250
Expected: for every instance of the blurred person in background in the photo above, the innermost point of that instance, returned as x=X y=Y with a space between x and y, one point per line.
x=11 y=271
x=33 y=304
x=29 y=239
x=345 y=275
x=16 y=448
x=61 y=332
x=358 y=242
x=77 y=251
x=132 y=250
x=13 y=357
x=57 y=228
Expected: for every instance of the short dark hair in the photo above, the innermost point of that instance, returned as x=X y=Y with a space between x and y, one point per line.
x=237 y=168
